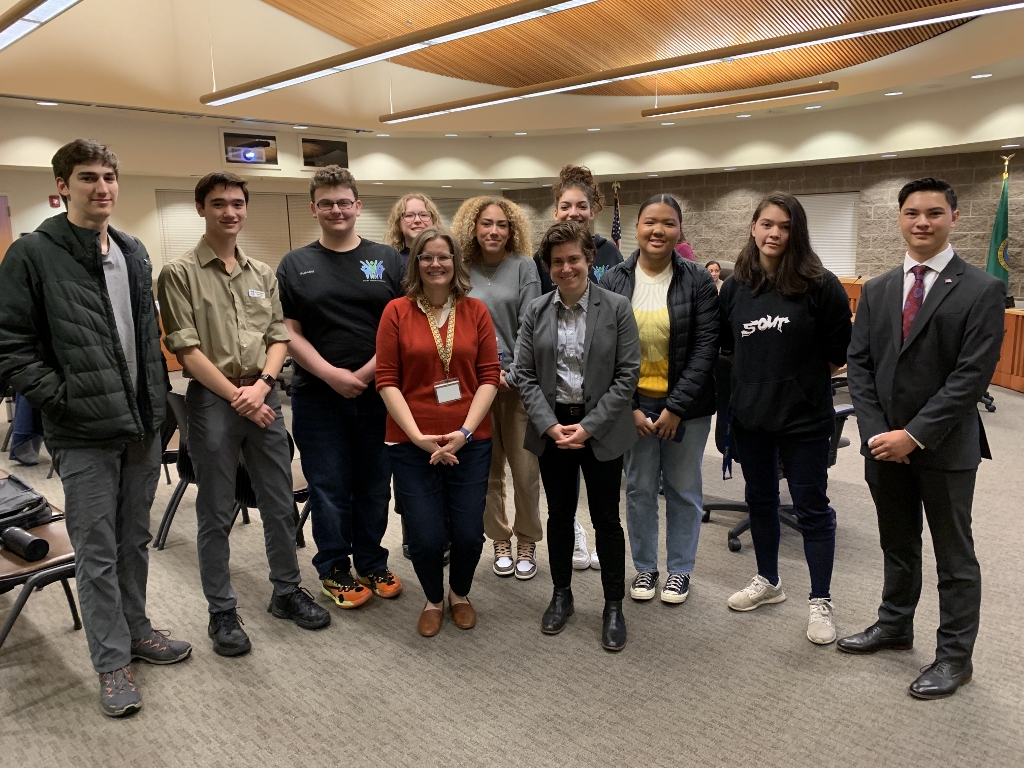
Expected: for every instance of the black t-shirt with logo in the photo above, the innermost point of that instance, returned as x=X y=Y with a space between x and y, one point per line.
x=338 y=297
x=781 y=382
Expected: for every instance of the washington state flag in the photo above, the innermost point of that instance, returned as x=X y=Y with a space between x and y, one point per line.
x=998 y=261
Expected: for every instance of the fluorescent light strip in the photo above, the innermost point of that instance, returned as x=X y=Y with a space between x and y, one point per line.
x=940 y=18
x=31 y=19
x=391 y=53
x=684 y=109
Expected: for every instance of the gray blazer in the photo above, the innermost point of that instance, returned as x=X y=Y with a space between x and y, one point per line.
x=611 y=370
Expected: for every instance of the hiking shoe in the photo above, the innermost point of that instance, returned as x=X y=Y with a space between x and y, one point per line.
x=382 y=583
x=645 y=585
x=676 y=589
x=344 y=590
x=503 y=565
x=821 y=624
x=526 y=560
x=580 y=553
x=229 y=639
x=758 y=592
x=158 y=648
x=298 y=605
x=119 y=695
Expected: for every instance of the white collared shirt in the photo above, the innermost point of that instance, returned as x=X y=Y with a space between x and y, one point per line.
x=935 y=265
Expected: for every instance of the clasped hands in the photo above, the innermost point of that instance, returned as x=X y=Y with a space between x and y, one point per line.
x=896 y=445
x=249 y=402
x=442 y=448
x=665 y=427
x=571 y=436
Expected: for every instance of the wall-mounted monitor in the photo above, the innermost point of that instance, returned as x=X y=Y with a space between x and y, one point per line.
x=318 y=153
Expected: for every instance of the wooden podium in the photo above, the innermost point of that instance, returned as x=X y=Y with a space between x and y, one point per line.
x=1010 y=370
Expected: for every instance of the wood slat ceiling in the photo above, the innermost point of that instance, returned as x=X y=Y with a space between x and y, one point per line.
x=615 y=33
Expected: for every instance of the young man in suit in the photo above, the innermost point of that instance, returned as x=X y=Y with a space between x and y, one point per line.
x=925 y=345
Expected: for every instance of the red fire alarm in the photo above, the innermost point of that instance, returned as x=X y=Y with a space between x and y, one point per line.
x=55 y=201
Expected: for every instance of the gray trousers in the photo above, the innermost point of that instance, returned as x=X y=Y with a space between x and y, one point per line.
x=216 y=437
x=107 y=496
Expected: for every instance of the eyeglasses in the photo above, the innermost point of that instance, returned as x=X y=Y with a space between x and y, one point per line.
x=328 y=205
x=426 y=259
x=413 y=215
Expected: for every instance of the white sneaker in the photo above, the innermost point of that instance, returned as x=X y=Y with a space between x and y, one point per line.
x=757 y=593
x=594 y=562
x=821 y=624
x=580 y=554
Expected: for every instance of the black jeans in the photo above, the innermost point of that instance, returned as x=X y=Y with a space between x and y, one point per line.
x=427 y=492
x=899 y=492
x=559 y=471
x=806 y=467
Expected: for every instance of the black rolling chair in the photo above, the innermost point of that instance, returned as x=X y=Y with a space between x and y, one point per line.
x=186 y=473
x=727 y=447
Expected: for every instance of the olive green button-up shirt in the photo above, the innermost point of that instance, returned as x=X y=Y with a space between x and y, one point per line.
x=231 y=318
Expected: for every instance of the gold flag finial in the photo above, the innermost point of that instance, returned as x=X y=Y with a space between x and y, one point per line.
x=1006 y=163
x=616 y=184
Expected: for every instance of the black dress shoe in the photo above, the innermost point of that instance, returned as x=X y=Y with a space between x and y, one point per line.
x=875 y=639
x=941 y=679
x=559 y=609
x=613 y=633
x=229 y=639
x=299 y=606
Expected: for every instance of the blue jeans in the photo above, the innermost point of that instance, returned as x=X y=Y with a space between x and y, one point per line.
x=649 y=460
x=341 y=443
x=427 y=493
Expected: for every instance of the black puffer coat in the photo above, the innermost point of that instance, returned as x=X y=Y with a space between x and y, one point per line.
x=58 y=340
x=693 y=329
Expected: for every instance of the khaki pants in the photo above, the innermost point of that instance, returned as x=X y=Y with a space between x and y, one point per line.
x=508 y=426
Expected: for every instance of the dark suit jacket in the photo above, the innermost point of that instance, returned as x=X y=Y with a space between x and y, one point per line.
x=931 y=383
x=611 y=370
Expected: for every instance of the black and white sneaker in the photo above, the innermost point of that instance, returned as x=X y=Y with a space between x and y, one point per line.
x=645 y=585
x=676 y=589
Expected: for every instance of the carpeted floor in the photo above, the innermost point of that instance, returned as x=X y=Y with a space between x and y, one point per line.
x=697 y=685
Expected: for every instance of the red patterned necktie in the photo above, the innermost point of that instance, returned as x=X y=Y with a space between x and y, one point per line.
x=915 y=298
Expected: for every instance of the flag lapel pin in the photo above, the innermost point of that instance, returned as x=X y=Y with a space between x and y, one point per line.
x=949 y=279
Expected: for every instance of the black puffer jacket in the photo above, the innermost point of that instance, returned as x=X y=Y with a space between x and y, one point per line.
x=693 y=329
x=58 y=339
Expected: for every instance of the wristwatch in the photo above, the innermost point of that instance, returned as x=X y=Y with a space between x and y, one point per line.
x=467 y=434
x=267 y=379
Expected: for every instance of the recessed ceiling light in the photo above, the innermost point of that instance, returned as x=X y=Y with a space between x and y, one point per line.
x=520 y=133
x=894 y=93
x=816 y=106
x=383 y=135
x=446 y=186
x=668 y=123
x=300 y=127
x=981 y=77
x=545 y=185
x=742 y=115
x=506 y=187
x=593 y=129
x=47 y=103
x=731 y=168
x=378 y=183
x=488 y=182
x=652 y=175
x=451 y=135
x=1009 y=146
x=889 y=154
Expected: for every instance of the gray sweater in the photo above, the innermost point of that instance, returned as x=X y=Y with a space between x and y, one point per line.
x=513 y=284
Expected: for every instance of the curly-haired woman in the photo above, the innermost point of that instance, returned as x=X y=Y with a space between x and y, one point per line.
x=494 y=236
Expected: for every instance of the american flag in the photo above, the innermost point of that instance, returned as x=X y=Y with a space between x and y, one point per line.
x=616 y=223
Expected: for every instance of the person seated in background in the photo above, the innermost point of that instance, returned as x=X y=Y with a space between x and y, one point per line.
x=786 y=321
x=716 y=273
x=223 y=320
x=79 y=338
x=577 y=367
x=437 y=372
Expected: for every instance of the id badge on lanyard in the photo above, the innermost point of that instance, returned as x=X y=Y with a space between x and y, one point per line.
x=447 y=391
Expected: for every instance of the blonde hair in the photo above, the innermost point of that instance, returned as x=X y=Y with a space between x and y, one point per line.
x=464 y=226
x=413 y=282
x=395 y=237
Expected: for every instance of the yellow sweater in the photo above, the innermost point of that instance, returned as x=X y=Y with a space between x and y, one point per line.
x=650 y=308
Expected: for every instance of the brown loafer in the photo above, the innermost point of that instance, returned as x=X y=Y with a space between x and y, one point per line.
x=463 y=614
x=430 y=621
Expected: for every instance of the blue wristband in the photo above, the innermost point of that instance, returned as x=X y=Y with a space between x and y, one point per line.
x=467 y=434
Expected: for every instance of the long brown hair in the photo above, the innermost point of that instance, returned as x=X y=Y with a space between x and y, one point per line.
x=413 y=282
x=799 y=270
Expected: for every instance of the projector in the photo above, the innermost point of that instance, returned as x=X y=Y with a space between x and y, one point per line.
x=247 y=155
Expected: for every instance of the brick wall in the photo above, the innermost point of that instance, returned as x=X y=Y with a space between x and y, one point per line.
x=717 y=206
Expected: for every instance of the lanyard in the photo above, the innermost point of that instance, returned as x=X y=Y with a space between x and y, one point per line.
x=443 y=351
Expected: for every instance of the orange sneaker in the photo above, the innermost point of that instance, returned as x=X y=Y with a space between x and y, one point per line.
x=383 y=583
x=344 y=590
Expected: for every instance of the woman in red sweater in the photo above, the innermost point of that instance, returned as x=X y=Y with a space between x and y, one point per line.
x=438 y=371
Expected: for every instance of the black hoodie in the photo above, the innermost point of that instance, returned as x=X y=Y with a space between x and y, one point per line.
x=607 y=257
x=781 y=381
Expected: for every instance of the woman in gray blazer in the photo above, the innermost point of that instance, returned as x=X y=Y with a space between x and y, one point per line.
x=577 y=364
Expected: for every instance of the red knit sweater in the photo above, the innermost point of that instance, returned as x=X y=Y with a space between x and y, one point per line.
x=407 y=358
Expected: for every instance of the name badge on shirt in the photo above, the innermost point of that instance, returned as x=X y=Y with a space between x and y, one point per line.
x=448 y=391
x=254 y=294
